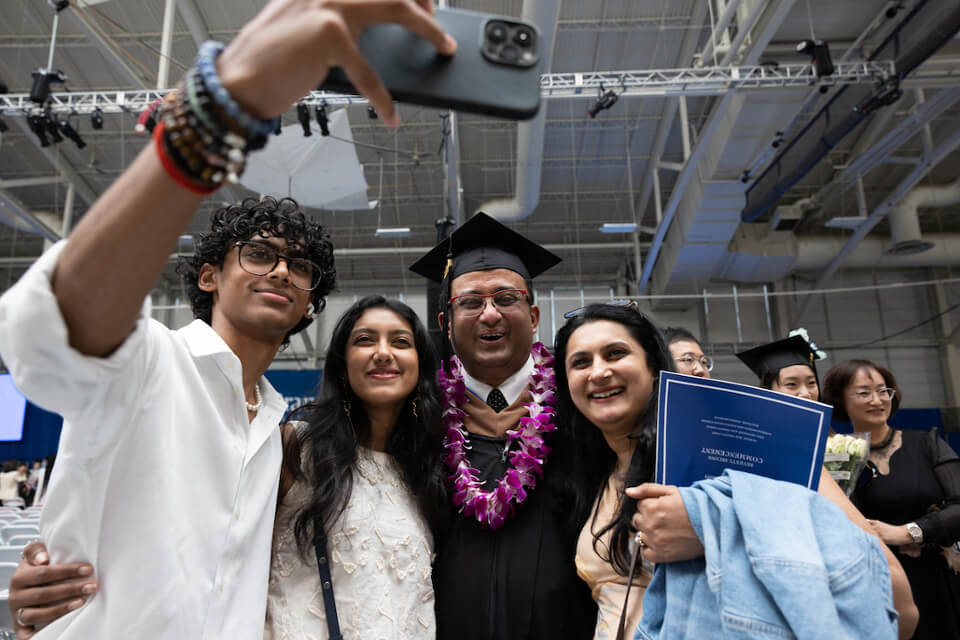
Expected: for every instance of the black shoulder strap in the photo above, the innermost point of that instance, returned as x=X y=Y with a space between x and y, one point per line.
x=634 y=557
x=326 y=584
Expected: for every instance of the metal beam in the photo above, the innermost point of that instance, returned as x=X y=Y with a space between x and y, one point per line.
x=166 y=44
x=194 y=20
x=928 y=162
x=695 y=81
x=766 y=26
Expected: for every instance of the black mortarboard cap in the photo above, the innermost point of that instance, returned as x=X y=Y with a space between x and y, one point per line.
x=480 y=244
x=773 y=356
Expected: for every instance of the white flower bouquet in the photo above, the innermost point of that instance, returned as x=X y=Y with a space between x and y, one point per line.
x=846 y=458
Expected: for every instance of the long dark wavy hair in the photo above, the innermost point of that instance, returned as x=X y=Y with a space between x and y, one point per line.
x=596 y=460
x=331 y=438
x=277 y=218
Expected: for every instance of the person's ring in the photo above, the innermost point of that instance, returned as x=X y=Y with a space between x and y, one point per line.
x=638 y=538
x=20 y=618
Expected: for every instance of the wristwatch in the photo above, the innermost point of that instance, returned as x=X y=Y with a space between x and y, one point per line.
x=915 y=532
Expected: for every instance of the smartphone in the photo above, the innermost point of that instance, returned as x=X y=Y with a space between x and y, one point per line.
x=495 y=70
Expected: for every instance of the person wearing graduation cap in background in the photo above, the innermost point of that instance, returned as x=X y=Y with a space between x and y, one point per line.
x=504 y=568
x=787 y=365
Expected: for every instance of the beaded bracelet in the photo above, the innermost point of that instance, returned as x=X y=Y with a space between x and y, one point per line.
x=198 y=143
x=170 y=167
x=206 y=64
x=206 y=157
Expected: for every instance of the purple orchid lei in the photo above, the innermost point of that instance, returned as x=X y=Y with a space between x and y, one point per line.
x=495 y=506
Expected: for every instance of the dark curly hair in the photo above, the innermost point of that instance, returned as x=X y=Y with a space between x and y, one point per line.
x=278 y=218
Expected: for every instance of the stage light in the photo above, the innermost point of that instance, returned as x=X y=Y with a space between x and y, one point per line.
x=605 y=101
x=40 y=90
x=4 y=127
x=71 y=133
x=303 y=115
x=52 y=127
x=96 y=118
x=322 y=119
x=39 y=128
x=819 y=53
x=372 y=113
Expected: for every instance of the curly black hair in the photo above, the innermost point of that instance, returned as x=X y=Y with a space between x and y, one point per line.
x=278 y=218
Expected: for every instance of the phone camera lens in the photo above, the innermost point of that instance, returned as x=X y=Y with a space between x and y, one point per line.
x=523 y=37
x=509 y=53
x=496 y=32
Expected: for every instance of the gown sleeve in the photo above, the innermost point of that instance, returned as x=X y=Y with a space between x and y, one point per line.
x=943 y=527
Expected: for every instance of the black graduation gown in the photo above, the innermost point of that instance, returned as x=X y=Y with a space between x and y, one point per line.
x=518 y=582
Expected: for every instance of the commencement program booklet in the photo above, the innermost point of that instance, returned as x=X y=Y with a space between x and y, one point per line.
x=705 y=426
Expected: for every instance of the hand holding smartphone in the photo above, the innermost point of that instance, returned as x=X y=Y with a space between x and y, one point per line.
x=495 y=70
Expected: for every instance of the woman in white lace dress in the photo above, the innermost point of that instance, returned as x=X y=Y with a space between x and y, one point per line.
x=369 y=474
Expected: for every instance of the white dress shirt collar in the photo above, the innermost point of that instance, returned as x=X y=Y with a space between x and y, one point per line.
x=511 y=388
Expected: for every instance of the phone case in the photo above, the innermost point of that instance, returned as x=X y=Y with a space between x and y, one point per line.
x=413 y=72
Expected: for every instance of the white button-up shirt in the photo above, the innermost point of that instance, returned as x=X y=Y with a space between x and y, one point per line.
x=161 y=481
x=511 y=388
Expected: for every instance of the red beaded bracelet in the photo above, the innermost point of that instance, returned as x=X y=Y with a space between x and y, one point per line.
x=172 y=170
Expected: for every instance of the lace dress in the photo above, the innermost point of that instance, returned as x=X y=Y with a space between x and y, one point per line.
x=380 y=551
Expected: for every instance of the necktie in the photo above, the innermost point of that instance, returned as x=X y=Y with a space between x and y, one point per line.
x=496 y=400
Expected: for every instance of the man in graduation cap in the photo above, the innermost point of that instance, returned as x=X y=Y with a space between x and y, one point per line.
x=505 y=568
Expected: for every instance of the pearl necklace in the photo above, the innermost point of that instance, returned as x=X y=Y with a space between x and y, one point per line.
x=253 y=408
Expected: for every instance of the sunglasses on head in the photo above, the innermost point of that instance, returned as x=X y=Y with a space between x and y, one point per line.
x=629 y=304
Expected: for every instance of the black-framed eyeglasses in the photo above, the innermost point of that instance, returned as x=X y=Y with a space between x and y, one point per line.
x=260 y=259
x=472 y=304
x=628 y=304
x=689 y=362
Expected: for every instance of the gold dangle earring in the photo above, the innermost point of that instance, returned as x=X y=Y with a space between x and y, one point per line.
x=347 y=401
x=413 y=407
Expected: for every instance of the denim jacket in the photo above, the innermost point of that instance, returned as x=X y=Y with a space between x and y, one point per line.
x=780 y=561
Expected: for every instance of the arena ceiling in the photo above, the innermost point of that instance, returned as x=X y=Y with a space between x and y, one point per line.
x=674 y=159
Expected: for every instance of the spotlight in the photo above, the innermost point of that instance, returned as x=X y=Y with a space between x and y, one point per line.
x=893 y=9
x=819 y=53
x=40 y=90
x=322 y=120
x=71 y=133
x=36 y=124
x=96 y=119
x=745 y=177
x=605 y=101
x=4 y=127
x=4 y=88
x=777 y=140
x=885 y=95
x=52 y=127
x=303 y=115
x=371 y=113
